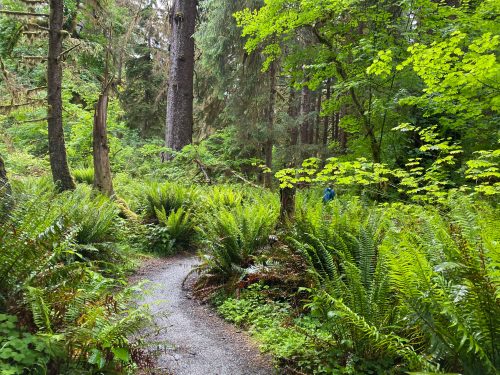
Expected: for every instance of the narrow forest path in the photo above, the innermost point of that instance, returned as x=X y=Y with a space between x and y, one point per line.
x=202 y=343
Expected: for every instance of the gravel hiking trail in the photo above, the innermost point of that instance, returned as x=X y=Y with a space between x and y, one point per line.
x=200 y=342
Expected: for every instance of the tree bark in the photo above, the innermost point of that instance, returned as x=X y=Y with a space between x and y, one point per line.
x=287 y=204
x=179 y=126
x=318 y=115
x=5 y=192
x=4 y=181
x=57 y=149
x=305 y=109
x=102 y=169
x=268 y=147
x=326 y=120
x=293 y=112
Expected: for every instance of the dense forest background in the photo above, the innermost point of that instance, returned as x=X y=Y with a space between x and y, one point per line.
x=137 y=127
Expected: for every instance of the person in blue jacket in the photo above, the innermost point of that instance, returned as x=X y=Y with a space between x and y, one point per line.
x=328 y=194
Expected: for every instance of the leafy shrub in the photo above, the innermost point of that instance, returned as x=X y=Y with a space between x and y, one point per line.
x=158 y=240
x=269 y=322
x=21 y=350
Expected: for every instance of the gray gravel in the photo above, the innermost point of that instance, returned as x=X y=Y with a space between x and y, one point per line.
x=201 y=342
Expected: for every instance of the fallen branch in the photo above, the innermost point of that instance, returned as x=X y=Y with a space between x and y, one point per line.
x=35 y=120
x=204 y=170
x=68 y=50
x=243 y=178
x=23 y=14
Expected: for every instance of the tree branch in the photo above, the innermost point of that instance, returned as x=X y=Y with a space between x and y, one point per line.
x=23 y=14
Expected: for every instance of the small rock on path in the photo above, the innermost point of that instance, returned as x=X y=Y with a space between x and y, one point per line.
x=202 y=343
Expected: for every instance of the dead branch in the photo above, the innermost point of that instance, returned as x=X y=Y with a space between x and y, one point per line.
x=23 y=14
x=34 y=120
x=68 y=50
x=204 y=170
x=235 y=174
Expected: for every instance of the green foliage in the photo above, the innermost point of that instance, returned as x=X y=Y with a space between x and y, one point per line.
x=446 y=273
x=179 y=224
x=232 y=236
x=167 y=197
x=55 y=254
x=21 y=350
x=83 y=175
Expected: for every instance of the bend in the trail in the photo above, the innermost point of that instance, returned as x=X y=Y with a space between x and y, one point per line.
x=202 y=343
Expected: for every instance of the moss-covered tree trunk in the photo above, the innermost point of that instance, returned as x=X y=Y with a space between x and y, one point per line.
x=57 y=149
x=179 y=127
x=5 y=191
x=102 y=169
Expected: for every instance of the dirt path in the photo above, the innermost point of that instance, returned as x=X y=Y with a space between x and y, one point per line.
x=202 y=343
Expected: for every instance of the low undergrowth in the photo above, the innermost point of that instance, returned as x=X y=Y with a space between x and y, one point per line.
x=65 y=306
x=391 y=288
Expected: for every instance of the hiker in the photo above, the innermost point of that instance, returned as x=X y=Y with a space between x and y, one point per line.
x=328 y=194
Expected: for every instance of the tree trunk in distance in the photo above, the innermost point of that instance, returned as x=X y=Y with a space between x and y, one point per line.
x=179 y=124
x=318 y=117
x=102 y=169
x=293 y=113
x=268 y=147
x=287 y=204
x=326 y=120
x=5 y=191
x=304 y=112
x=311 y=121
x=57 y=149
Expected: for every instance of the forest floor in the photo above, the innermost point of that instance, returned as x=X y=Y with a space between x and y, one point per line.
x=200 y=342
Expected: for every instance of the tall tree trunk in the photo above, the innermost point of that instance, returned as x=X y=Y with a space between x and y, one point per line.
x=102 y=169
x=57 y=150
x=179 y=132
x=318 y=116
x=326 y=120
x=268 y=147
x=293 y=114
x=311 y=121
x=305 y=109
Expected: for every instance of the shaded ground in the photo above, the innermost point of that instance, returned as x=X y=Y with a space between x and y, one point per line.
x=202 y=343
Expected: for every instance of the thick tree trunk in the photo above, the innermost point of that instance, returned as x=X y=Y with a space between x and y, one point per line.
x=57 y=150
x=179 y=128
x=268 y=147
x=102 y=169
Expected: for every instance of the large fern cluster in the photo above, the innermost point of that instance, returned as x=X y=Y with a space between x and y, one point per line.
x=55 y=253
x=406 y=285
